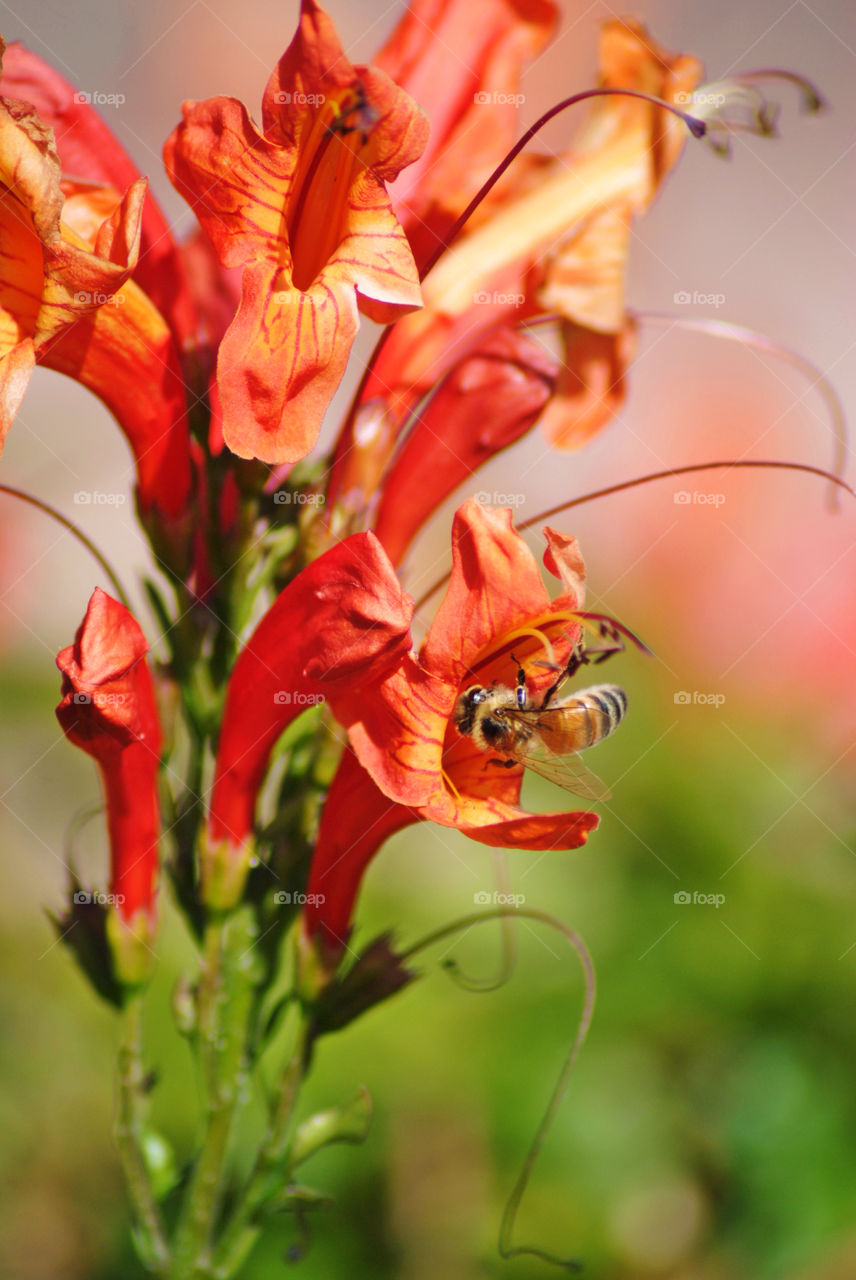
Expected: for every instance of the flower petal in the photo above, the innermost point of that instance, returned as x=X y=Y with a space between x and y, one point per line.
x=281 y=361
x=489 y=401
x=304 y=210
x=356 y=821
x=494 y=586
x=89 y=150
x=343 y=621
x=126 y=355
x=108 y=709
x=474 y=113
x=592 y=384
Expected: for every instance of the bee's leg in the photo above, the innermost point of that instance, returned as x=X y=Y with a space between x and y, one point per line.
x=578 y=658
x=503 y=764
x=522 y=691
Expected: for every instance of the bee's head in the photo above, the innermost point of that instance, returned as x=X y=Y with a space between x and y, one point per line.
x=465 y=707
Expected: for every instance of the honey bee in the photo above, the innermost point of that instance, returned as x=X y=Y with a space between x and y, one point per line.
x=542 y=736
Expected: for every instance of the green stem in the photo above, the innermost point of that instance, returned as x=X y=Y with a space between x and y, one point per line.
x=129 y=1132
x=269 y=1175
x=224 y=1003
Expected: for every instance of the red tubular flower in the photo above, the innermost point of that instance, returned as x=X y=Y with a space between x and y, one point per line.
x=67 y=301
x=413 y=764
x=357 y=820
x=342 y=621
x=490 y=400
x=89 y=150
x=473 y=110
x=553 y=235
x=108 y=709
x=303 y=209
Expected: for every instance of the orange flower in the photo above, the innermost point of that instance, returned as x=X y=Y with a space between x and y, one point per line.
x=408 y=762
x=88 y=149
x=461 y=60
x=67 y=301
x=302 y=207
x=552 y=237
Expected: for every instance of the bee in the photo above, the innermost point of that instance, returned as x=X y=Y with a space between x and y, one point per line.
x=543 y=736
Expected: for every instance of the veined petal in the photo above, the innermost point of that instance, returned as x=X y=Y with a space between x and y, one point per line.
x=16 y=365
x=280 y=362
x=89 y=150
x=534 y=830
x=494 y=585
x=303 y=209
x=233 y=178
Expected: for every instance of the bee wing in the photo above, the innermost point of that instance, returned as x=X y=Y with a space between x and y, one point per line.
x=566 y=770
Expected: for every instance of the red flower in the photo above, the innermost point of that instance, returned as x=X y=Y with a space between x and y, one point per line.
x=551 y=238
x=108 y=709
x=67 y=301
x=487 y=402
x=461 y=60
x=409 y=763
x=343 y=621
x=553 y=235
x=302 y=207
x=90 y=151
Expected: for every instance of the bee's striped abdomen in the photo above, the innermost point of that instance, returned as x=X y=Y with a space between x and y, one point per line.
x=602 y=708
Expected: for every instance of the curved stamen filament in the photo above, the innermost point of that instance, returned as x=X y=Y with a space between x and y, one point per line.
x=812 y=100
x=75 y=531
x=682 y=471
x=731 y=464
x=751 y=338
x=696 y=127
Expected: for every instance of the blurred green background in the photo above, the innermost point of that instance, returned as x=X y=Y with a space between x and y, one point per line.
x=710 y=1127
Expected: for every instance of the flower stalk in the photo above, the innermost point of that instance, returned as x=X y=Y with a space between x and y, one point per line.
x=129 y=1129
